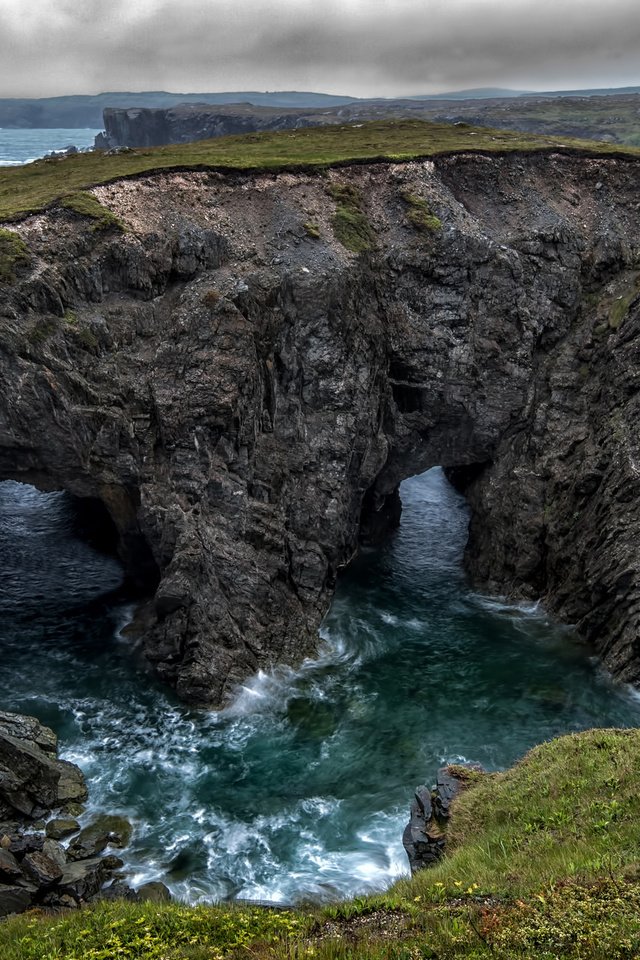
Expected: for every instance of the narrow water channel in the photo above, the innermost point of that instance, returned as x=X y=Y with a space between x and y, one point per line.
x=302 y=787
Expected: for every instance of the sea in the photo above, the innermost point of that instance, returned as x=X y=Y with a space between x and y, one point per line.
x=301 y=787
x=24 y=146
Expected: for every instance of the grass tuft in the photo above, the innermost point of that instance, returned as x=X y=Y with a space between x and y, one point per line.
x=13 y=255
x=86 y=205
x=419 y=214
x=349 y=222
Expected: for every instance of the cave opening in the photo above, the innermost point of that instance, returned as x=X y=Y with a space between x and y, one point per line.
x=68 y=549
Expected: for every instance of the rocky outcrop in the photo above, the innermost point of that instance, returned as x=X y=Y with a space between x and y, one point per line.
x=35 y=868
x=425 y=836
x=32 y=779
x=245 y=395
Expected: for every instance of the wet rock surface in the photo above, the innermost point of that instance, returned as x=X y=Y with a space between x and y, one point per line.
x=36 y=869
x=244 y=396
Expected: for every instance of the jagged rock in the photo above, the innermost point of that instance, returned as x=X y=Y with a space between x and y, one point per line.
x=13 y=900
x=82 y=880
x=32 y=780
x=155 y=892
x=22 y=727
x=9 y=867
x=61 y=827
x=55 y=851
x=118 y=891
x=42 y=869
x=21 y=844
x=424 y=837
x=244 y=401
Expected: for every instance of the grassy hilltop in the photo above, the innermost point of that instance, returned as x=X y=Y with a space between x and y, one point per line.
x=543 y=862
x=26 y=189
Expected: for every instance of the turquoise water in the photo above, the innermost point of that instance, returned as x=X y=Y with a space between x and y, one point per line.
x=23 y=146
x=302 y=787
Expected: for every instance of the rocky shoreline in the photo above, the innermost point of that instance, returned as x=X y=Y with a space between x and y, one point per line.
x=46 y=858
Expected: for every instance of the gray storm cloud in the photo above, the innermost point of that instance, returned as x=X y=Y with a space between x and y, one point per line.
x=378 y=47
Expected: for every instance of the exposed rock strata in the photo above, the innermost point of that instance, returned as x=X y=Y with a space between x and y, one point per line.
x=243 y=397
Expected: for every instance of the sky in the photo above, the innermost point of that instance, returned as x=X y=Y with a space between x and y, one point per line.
x=355 y=47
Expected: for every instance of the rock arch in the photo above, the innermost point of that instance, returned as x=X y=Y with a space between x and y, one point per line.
x=245 y=398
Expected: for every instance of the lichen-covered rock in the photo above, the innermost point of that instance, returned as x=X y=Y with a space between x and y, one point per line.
x=245 y=398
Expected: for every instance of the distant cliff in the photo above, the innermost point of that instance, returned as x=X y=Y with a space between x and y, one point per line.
x=86 y=111
x=245 y=392
x=137 y=127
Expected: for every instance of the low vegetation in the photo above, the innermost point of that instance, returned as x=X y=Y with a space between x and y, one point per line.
x=543 y=863
x=350 y=224
x=13 y=254
x=36 y=185
x=86 y=205
x=419 y=213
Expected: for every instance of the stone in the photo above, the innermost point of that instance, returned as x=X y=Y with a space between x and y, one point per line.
x=107 y=829
x=61 y=827
x=55 y=851
x=9 y=867
x=26 y=843
x=155 y=892
x=118 y=891
x=424 y=837
x=42 y=869
x=32 y=780
x=82 y=880
x=13 y=900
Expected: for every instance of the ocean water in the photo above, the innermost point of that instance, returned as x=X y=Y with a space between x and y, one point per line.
x=24 y=146
x=301 y=787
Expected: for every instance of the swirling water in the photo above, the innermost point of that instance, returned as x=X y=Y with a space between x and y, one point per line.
x=26 y=145
x=301 y=787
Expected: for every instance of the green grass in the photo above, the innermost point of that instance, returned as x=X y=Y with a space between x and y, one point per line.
x=86 y=205
x=36 y=185
x=13 y=254
x=419 y=213
x=350 y=224
x=543 y=862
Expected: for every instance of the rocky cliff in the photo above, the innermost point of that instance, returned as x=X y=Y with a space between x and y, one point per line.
x=244 y=394
x=144 y=127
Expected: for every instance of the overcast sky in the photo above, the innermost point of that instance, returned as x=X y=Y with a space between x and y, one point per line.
x=357 y=47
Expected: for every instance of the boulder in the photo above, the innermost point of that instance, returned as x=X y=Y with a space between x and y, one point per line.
x=55 y=851
x=9 y=867
x=42 y=869
x=13 y=900
x=32 y=779
x=155 y=892
x=83 y=879
x=61 y=827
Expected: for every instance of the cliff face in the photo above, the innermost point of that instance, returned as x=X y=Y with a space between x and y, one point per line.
x=245 y=397
x=143 y=127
